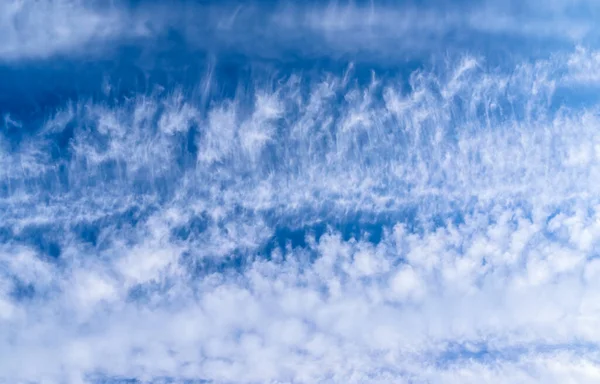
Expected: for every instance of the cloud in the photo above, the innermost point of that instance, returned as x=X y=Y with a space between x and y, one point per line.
x=35 y=30
x=325 y=319
x=215 y=240
x=438 y=226
x=41 y=29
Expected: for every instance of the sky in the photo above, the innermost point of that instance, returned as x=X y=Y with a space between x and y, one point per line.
x=299 y=191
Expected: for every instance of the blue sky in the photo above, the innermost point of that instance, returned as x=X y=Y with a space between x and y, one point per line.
x=286 y=191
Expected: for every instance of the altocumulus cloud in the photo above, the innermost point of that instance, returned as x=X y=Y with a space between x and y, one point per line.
x=299 y=192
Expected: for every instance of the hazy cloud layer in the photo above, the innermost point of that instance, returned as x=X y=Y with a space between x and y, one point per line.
x=389 y=30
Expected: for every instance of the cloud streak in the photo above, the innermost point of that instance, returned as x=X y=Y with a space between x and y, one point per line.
x=45 y=29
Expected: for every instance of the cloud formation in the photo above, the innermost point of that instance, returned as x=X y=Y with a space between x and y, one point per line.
x=438 y=224
x=45 y=29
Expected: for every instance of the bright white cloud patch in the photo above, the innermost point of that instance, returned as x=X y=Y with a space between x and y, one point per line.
x=438 y=225
x=39 y=29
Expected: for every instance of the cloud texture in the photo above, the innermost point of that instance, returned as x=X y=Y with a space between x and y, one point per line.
x=436 y=221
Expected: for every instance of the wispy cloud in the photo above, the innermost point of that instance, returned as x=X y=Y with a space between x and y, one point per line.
x=45 y=29
x=436 y=224
x=151 y=246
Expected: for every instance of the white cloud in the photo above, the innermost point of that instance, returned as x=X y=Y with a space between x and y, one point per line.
x=41 y=29
x=278 y=321
x=406 y=285
x=485 y=268
x=49 y=28
x=584 y=67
